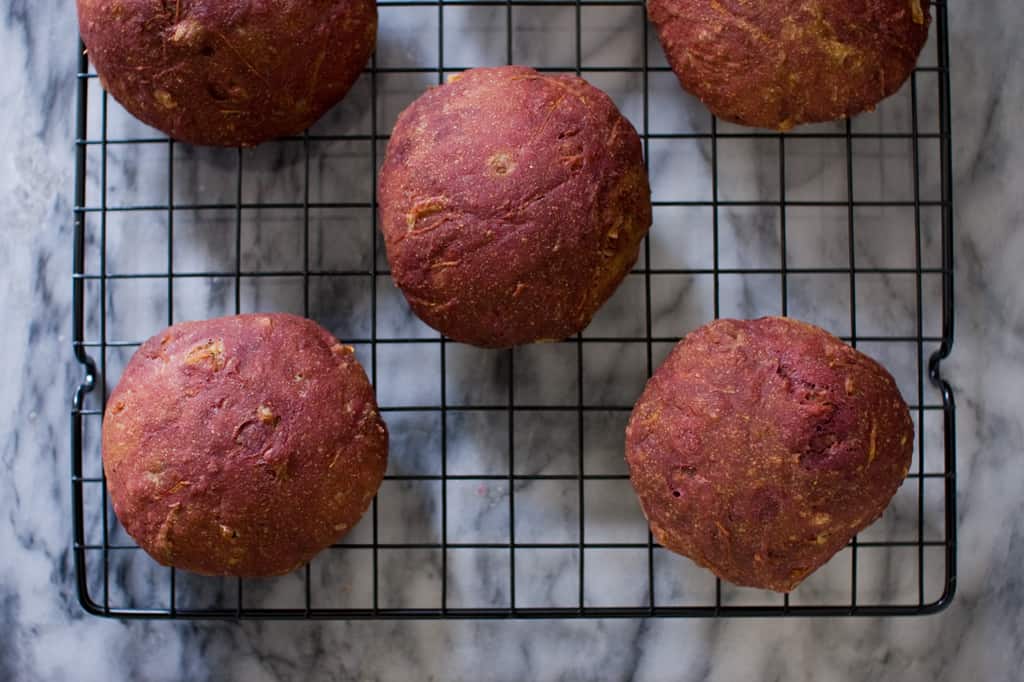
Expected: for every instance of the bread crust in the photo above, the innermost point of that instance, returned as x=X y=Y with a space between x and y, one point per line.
x=779 y=64
x=242 y=445
x=759 y=448
x=512 y=204
x=228 y=72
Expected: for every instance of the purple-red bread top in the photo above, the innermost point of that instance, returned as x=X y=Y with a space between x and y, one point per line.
x=228 y=72
x=512 y=203
x=782 y=63
x=242 y=445
x=759 y=448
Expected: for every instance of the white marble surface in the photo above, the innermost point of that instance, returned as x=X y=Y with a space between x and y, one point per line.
x=49 y=638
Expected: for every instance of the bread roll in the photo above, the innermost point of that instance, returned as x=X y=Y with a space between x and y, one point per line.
x=242 y=445
x=228 y=72
x=759 y=448
x=782 y=63
x=512 y=204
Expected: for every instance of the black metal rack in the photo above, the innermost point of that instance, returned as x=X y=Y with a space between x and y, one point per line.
x=582 y=559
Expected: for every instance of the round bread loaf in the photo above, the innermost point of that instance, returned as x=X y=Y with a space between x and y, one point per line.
x=759 y=448
x=779 y=64
x=512 y=205
x=242 y=445
x=228 y=72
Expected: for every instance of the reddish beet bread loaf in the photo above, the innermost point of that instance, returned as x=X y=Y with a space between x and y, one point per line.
x=782 y=63
x=512 y=205
x=242 y=445
x=759 y=448
x=228 y=72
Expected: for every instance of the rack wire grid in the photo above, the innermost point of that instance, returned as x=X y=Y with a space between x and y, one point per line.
x=507 y=494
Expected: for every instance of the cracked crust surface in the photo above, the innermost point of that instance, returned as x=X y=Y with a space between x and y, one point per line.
x=231 y=72
x=759 y=448
x=779 y=64
x=512 y=204
x=242 y=445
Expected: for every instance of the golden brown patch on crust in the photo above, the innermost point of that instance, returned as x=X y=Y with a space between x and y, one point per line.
x=873 y=442
x=342 y=349
x=425 y=208
x=165 y=99
x=179 y=486
x=210 y=353
x=267 y=416
x=917 y=11
x=163 y=544
x=501 y=163
x=187 y=32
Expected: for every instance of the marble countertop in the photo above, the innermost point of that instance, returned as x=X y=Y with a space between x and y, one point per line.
x=48 y=636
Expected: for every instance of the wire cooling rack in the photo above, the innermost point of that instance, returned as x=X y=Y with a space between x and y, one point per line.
x=507 y=494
